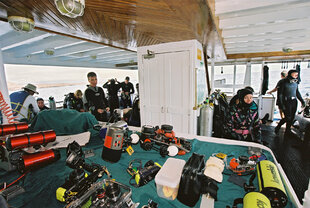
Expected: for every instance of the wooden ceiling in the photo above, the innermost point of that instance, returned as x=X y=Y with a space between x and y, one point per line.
x=126 y=24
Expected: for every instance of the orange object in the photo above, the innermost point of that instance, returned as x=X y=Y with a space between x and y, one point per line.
x=27 y=140
x=6 y=110
x=6 y=129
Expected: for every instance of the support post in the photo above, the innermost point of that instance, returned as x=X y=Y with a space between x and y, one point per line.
x=4 y=87
x=234 y=80
x=212 y=74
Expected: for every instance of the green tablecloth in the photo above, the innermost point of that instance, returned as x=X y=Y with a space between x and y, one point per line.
x=41 y=185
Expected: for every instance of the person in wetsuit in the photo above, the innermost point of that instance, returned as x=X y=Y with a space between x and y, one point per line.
x=288 y=95
x=74 y=101
x=41 y=104
x=113 y=87
x=243 y=122
x=283 y=75
x=127 y=90
x=94 y=99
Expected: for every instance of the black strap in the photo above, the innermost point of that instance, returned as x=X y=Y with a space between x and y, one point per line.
x=43 y=136
x=27 y=135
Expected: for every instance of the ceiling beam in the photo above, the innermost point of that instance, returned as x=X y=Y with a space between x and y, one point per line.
x=14 y=39
x=288 y=26
x=273 y=47
x=39 y=46
x=265 y=17
x=9 y=59
x=241 y=8
x=127 y=64
x=299 y=38
x=228 y=6
x=267 y=54
x=79 y=48
x=269 y=36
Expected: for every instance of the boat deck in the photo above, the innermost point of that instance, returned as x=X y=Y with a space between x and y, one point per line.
x=293 y=154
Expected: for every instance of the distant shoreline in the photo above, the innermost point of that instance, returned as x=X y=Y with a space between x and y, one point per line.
x=14 y=87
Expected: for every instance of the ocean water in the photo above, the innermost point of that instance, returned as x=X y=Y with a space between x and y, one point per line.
x=58 y=81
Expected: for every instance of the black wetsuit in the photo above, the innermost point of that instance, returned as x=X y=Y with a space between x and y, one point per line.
x=112 y=94
x=71 y=102
x=287 y=100
x=44 y=108
x=126 y=100
x=278 y=90
x=134 y=119
x=94 y=99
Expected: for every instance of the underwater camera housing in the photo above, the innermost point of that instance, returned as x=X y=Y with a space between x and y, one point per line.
x=106 y=193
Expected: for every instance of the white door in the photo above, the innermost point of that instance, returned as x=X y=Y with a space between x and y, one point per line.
x=152 y=90
x=165 y=95
x=177 y=90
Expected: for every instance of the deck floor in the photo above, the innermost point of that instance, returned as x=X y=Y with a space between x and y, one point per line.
x=292 y=154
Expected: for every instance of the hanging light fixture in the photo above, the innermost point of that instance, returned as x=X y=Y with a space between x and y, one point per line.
x=21 y=24
x=70 y=8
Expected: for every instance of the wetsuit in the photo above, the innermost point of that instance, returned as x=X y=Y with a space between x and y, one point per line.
x=280 y=82
x=126 y=99
x=134 y=119
x=71 y=102
x=288 y=95
x=94 y=99
x=243 y=122
x=112 y=94
x=44 y=108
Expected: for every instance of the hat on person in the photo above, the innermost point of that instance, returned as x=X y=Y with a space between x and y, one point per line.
x=31 y=87
x=243 y=92
x=290 y=72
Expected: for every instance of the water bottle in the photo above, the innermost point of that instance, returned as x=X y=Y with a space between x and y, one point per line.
x=52 y=103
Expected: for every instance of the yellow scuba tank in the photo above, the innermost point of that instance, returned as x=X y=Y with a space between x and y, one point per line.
x=270 y=183
x=253 y=200
x=256 y=200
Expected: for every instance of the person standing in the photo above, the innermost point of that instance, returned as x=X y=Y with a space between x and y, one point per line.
x=94 y=99
x=283 y=75
x=23 y=103
x=127 y=90
x=113 y=87
x=288 y=95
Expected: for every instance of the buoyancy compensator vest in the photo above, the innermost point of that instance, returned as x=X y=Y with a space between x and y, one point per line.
x=190 y=186
x=17 y=101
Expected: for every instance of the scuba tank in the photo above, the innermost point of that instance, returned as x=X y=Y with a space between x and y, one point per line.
x=206 y=120
x=270 y=183
x=253 y=200
x=52 y=103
